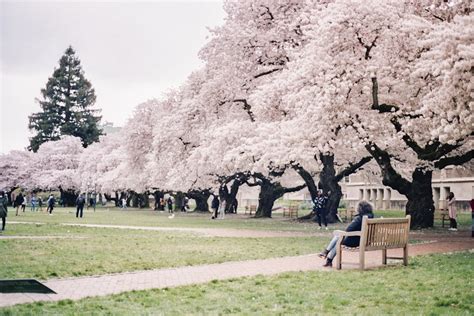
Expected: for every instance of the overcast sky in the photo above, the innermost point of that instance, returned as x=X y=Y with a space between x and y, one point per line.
x=130 y=51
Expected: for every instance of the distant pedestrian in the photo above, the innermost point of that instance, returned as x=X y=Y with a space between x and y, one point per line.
x=169 y=202
x=24 y=203
x=18 y=202
x=34 y=202
x=320 y=202
x=51 y=203
x=93 y=200
x=222 y=207
x=215 y=207
x=184 y=206
x=80 y=201
x=3 y=208
x=40 y=204
x=453 y=225
x=162 y=204
x=124 y=202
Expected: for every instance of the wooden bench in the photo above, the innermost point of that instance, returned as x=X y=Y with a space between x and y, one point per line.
x=252 y=209
x=291 y=211
x=378 y=234
x=442 y=215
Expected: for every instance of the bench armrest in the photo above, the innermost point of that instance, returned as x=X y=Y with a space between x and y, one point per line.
x=344 y=233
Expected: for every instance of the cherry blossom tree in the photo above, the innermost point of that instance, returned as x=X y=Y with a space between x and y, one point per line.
x=57 y=167
x=355 y=47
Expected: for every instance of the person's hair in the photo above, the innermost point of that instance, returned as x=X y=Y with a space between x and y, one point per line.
x=364 y=207
x=450 y=195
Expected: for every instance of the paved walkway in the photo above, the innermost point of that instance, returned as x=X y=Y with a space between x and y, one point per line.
x=78 y=288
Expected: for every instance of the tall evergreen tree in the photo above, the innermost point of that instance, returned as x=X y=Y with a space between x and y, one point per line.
x=66 y=106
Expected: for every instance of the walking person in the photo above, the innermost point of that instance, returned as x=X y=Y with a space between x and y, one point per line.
x=451 y=200
x=51 y=203
x=3 y=209
x=34 y=202
x=363 y=209
x=80 y=201
x=24 y=203
x=184 y=206
x=169 y=202
x=320 y=202
x=18 y=202
x=215 y=207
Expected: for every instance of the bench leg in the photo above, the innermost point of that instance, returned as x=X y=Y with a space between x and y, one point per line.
x=384 y=256
x=338 y=256
x=405 y=255
x=362 y=259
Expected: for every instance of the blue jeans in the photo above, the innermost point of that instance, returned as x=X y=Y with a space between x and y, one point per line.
x=331 y=248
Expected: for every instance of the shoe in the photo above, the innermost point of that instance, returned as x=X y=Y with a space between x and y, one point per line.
x=451 y=228
x=319 y=227
x=323 y=254
x=454 y=229
x=328 y=263
x=327 y=228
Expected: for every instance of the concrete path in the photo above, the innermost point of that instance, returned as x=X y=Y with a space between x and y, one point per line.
x=78 y=288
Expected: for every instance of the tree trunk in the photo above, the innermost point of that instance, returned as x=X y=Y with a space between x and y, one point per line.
x=68 y=197
x=178 y=201
x=230 y=197
x=266 y=199
x=329 y=183
x=201 y=198
x=420 y=203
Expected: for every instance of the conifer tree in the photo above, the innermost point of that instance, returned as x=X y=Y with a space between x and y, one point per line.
x=66 y=106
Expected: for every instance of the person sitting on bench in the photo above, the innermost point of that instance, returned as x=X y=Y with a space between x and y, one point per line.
x=364 y=208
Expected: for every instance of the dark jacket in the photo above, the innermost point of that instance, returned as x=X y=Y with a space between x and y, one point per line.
x=320 y=202
x=355 y=225
x=19 y=200
x=51 y=201
x=3 y=206
x=215 y=203
x=80 y=201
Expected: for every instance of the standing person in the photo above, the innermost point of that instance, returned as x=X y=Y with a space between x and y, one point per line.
x=363 y=209
x=124 y=202
x=40 y=204
x=169 y=201
x=215 y=207
x=222 y=206
x=320 y=202
x=34 y=201
x=3 y=208
x=18 y=202
x=93 y=200
x=23 y=204
x=51 y=202
x=80 y=201
x=453 y=225
x=162 y=204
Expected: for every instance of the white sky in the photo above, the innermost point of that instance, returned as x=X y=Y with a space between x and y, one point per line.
x=130 y=51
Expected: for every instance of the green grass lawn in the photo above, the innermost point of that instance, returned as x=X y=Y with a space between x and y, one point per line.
x=430 y=285
x=92 y=251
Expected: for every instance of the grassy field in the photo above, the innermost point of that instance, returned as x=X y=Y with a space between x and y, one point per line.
x=430 y=285
x=91 y=251
x=137 y=217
